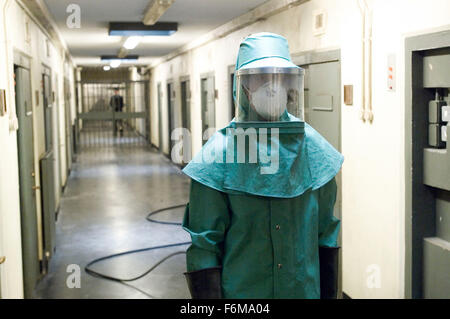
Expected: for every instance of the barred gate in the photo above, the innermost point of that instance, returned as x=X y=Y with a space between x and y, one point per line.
x=99 y=124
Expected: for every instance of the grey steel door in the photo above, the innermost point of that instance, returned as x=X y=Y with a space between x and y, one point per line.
x=147 y=110
x=208 y=104
x=171 y=112
x=186 y=114
x=323 y=113
x=322 y=100
x=68 y=122
x=160 y=131
x=322 y=107
x=48 y=119
x=186 y=104
x=47 y=173
x=31 y=267
x=232 y=106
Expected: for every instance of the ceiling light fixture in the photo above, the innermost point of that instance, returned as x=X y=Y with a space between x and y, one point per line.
x=106 y=68
x=115 y=57
x=128 y=29
x=131 y=42
x=155 y=10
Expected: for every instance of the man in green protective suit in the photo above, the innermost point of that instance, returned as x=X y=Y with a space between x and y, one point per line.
x=263 y=190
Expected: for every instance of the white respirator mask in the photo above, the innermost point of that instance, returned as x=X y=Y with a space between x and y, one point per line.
x=269 y=100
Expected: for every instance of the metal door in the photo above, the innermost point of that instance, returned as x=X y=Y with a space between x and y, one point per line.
x=47 y=173
x=147 y=110
x=171 y=112
x=427 y=166
x=160 y=131
x=48 y=118
x=186 y=104
x=323 y=113
x=322 y=107
x=186 y=113
x=31 y=267
x=208 y=105
x=68 y=123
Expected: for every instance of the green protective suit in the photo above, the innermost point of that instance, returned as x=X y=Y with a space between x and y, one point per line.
x=263 y=222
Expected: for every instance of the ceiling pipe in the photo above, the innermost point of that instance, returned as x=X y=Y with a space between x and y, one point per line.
x=155 y=9
x=122 y=52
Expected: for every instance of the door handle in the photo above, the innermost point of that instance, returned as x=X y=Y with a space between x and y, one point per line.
x=2 y=260
x=36 y=187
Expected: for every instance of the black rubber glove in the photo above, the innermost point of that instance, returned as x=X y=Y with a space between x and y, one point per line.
x=205 y=283
x=328 y=259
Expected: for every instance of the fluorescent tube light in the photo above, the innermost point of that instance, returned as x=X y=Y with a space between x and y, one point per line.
x=129 y=29
x=115 y=63
x=132 y=42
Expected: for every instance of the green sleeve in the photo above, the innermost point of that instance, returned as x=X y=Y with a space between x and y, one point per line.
x=206 y=219
x=328 y=224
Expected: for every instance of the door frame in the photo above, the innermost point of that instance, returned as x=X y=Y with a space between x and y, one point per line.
x=170 y=112
x=47 y=71
x=417 y=194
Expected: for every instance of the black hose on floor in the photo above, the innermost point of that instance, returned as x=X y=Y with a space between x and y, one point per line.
x=124 y=281
x=161 y=211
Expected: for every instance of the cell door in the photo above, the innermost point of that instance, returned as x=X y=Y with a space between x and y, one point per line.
x=47 y=173
x=427 y=163
x=48 y=118
x=186 y=113
x=171 y=112
x=208 y=104
x=68 y=120
x=160 y=131
x=232 y=106
x=31 y=266
x=186 y=105
x=323 y=113
x=322 y=107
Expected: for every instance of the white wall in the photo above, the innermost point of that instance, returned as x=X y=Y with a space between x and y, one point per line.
x=373 y=191
x=15 y=18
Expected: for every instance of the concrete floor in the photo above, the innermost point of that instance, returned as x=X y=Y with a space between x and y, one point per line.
x=110 y=191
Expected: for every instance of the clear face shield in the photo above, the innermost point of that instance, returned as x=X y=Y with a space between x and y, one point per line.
x=269 y=93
